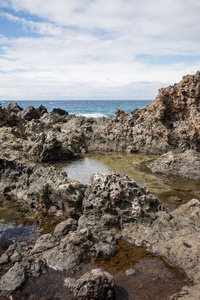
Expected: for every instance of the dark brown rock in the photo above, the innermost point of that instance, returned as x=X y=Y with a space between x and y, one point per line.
x=60 y=111
x=14 y=107
x=30 y=113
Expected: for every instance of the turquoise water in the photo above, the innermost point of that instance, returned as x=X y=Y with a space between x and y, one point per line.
x=88 y=108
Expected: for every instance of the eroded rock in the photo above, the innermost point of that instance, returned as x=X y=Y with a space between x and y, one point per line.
x=186 y=164
x=94 y=285
x=116 y=200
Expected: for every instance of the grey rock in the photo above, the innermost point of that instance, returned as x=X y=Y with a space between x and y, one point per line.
x=94 y=285
x=64 y=227
x=14 y=278
x=4 y=258
x=16 y=257
x=186 y=164
x=116 y=200
x=130 y=272
x=38 y=267
x=45 y=242
x=14 y=107
x=60 y=111
x=69 y=282
x=29 y=113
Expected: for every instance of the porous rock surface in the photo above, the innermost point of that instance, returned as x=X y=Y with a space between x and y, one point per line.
x=170 y=122
x=110 y=207
x=96 y=231
x=94 y=285
x=175 y=236
x=40 y=187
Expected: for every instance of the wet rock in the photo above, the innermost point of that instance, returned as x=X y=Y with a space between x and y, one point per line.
x=69 y=282
x=38 y=267
x=105 y=249
x=111 y=205
x=94 y=285
x=186 y=164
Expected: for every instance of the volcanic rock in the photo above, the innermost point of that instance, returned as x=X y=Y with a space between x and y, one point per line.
x=60 y=111
x=94 y=285
x=186 y=164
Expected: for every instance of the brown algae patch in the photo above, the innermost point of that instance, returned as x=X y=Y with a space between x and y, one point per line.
x=153 y=279
x=127 y=256
x=19 y=223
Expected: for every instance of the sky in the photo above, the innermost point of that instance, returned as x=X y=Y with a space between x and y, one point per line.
x=96 y=49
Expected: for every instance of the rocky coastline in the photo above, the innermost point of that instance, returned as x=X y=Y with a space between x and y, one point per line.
x=95 y=216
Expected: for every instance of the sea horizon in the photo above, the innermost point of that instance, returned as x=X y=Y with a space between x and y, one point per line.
x=87 y=108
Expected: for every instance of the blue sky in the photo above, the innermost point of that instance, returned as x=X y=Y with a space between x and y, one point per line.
x=96 y=49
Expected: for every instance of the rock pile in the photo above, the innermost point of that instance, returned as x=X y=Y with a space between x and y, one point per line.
x=110 y=207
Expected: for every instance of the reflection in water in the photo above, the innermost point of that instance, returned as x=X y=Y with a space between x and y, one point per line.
x=171 y=190
x=83 y=168
x=19 y=223
x=153 y=278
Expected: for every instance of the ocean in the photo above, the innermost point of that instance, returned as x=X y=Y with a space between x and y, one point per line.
x=87 y=108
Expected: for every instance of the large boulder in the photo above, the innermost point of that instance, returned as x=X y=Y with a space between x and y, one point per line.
x=42 y=188
x=94 y=285
x=186 y=164
x=116 y=200
x=170 y=122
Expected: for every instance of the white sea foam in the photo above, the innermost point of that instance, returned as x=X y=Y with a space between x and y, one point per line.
x=92 y=115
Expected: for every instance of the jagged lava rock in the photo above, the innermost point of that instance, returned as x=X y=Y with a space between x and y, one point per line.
x=170 y=122
x=40 y=187
x=116 y=200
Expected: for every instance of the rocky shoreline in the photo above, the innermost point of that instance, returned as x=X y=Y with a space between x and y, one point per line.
x=94 y=216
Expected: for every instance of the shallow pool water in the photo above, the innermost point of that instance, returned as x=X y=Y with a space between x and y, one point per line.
x=171 y=190
x=19 y=223
x=154 y=278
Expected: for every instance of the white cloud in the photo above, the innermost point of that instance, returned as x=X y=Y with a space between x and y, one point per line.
x=90 y=49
